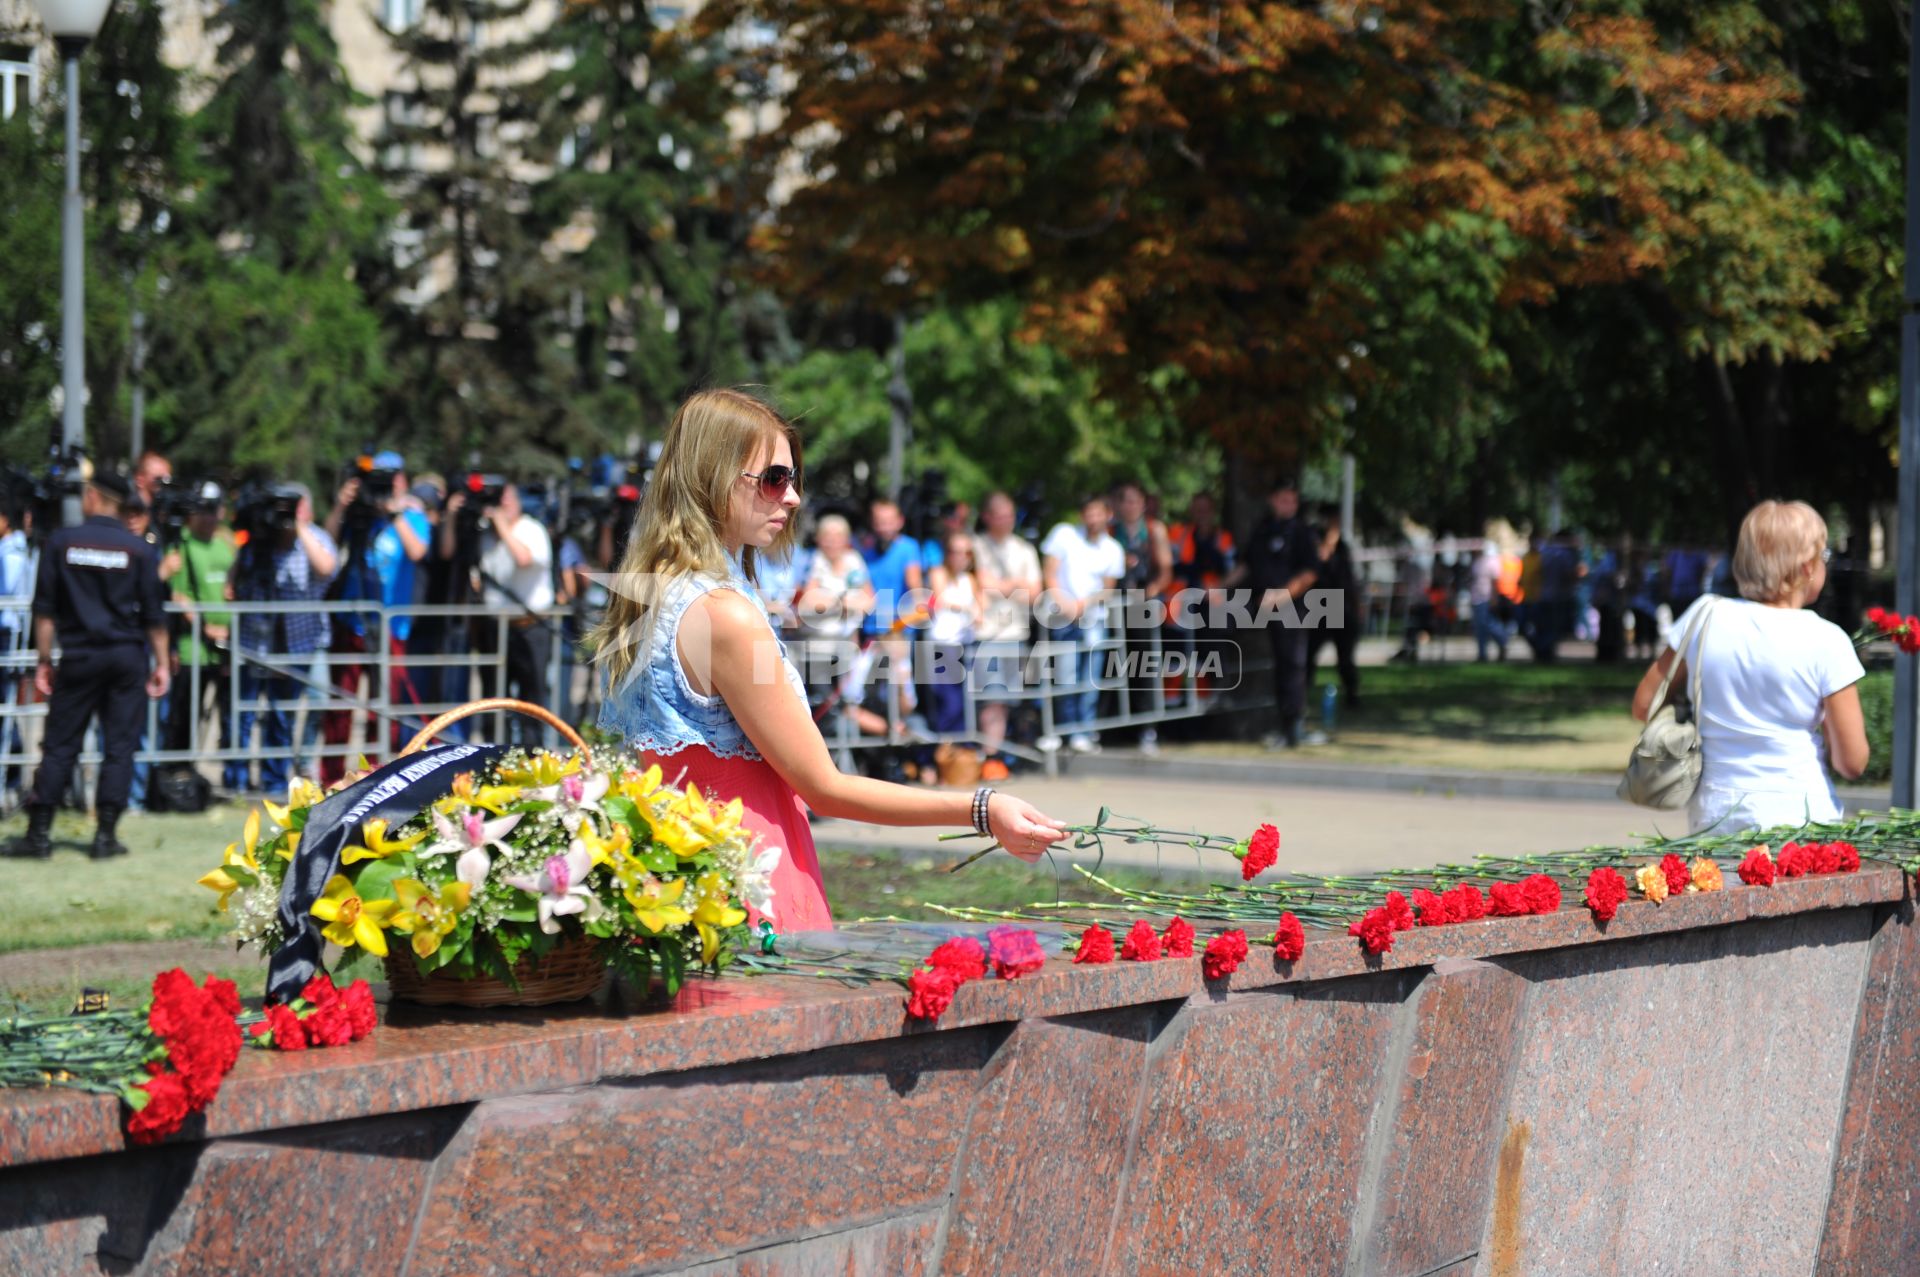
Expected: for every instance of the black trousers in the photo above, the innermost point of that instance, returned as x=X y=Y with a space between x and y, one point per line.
x=529 y=648
x=1289 y=677
x=106 y=681
x=1344 y=641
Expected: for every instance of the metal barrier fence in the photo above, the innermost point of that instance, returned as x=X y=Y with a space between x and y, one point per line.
x=340 y=703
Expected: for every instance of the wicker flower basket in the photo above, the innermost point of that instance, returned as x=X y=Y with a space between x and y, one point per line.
x=572 y=970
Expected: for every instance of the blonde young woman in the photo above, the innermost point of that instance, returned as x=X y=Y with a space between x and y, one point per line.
x=1778 y=701
x=698 y=681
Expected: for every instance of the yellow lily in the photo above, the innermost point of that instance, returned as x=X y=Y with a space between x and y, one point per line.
x=542 y=768
x=289 y=845
x=494 y=798
x=656 y=903
x=712 y=913
x=238 y=855
x=639 y=785
x=429 y=917
x=301 y=793
x=351 y=920
x=672 y=830
x=603 y=851
x=378 y=845
x=714 y=823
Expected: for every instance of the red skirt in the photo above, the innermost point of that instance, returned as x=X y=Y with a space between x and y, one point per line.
x=775 y=813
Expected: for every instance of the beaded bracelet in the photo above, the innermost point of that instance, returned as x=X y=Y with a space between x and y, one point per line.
x=981 y=797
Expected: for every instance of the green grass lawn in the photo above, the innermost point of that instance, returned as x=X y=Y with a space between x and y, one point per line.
x=70 y=923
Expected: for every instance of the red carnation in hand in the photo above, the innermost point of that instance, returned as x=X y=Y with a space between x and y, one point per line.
x=1178 y=940
x=1375 y=931
x=283 y=1024
x=1846 y=857
x=1879 y=616
x=1224 y=954
x=166 y=1108
x=362 y=1016
x=1433 y=910
x=930 y=992
x=1675 y=871
x=1509 y=900
x=961 y=955
x=1016 y=952
x=1142 y=943
x=1263 y=849
x=1096 y=946
x=1289 y=938
x=1541 y=893
x=1796 y=860
x=1466 y=903
x=1757 y=869
x=1399 y=912
x=1606 y=892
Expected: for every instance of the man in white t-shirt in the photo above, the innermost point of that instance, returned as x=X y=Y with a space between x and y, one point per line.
x=516 y=577
x=1083 y=564
x=1010 y=582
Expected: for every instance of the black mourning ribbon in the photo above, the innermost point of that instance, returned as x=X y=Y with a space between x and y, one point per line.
x=394 y=793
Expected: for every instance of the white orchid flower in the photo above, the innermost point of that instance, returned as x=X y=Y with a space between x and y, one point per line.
x=573 y=797
x=561 y=886
x=756 y=881
x=473 y=839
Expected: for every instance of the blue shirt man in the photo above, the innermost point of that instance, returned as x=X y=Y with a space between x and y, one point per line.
x=893 y=566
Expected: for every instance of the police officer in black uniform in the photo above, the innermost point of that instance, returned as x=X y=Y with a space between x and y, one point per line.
x=1282 y=555
x=99 y=590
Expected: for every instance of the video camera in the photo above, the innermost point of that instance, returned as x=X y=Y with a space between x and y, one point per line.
x=174 y=503
x=371 y=499
x=41 y=496
x=265 y=513
x=483 y=492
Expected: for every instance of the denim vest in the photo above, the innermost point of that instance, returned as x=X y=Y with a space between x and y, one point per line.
x=656 y=709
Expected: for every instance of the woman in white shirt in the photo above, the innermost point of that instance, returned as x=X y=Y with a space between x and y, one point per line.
x=837 y=595
x=1778 y=701
x=956 y=606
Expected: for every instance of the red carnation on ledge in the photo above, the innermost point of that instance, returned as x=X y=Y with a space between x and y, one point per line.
x=161 y=1108
x=1541 y=893
x=1224 y=954
x=1142 y=943
x=1289 y=938
x=1796 y=860
x=1466 y=903
x=930 y=992
x=1433 y=910
x=1606 y=892
x=1757 y=869
x=1399 y=912
x=1678 y=876
x=1178 y=942
x=1016 y=952
x=1261 y=851
x=1846 y=857
x=961 y=955
x=1375 y=931
x=1096 y=946
x=1509 y=900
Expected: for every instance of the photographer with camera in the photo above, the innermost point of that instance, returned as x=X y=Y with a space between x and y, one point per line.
x=285 y=558
x=99 y=591
x=514 y=565
x=384 y=531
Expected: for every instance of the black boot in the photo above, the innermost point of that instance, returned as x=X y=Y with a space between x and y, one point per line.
x=37 y=842
x=105 y=845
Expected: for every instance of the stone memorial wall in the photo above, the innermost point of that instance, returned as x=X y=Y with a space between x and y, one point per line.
x=1722 y=1084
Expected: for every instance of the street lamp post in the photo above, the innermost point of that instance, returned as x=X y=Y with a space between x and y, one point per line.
x=1906 y=670
x=72 y=23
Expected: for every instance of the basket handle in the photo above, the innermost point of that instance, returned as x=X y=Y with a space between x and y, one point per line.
x=487 y=706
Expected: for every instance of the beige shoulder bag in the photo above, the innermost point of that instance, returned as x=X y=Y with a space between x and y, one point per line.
x=1665 y=767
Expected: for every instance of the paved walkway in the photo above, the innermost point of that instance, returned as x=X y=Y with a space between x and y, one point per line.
x=1322 y=829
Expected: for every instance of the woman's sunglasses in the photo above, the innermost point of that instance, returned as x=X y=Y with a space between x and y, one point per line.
x=775 y=480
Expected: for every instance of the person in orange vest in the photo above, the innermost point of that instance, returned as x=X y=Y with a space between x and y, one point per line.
x=1203 y=558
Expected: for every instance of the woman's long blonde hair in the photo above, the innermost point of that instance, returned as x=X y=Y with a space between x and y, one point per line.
x=678 y=529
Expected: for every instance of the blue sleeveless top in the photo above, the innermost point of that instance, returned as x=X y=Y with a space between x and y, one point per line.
x=656 y=709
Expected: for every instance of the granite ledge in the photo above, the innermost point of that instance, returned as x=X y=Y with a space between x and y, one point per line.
x=427 y=1057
